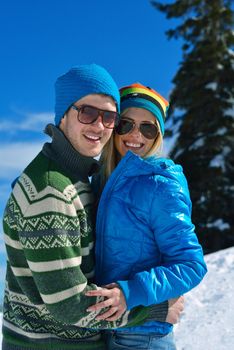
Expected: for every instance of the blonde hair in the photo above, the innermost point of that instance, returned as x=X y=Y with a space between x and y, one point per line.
x=110 y=156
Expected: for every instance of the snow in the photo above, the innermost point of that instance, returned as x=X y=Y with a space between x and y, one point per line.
x=202 y=199
x=221 y=131
x=229 y=112
x=219 y=159
x=198 y=143
x=169 y=142
x=220 y=224
x=207 y=322
x=212 y=86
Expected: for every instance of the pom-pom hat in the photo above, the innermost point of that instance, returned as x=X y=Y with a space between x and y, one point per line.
x=81 y=81
x=140 y=96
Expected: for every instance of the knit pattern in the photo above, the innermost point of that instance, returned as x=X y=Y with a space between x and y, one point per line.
x=48 y=230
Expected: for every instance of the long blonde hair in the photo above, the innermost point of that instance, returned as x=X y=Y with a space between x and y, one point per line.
x=110 y=156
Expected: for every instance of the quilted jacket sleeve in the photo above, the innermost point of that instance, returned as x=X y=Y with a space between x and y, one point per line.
x=182 y=264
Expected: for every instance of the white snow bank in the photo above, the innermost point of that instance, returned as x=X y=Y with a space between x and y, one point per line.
x=207 y=322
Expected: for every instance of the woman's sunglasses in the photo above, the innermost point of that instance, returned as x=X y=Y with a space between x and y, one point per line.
x=148 y=130
x=89 y=114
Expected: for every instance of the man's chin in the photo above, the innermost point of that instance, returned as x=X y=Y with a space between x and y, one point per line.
x=91 y=153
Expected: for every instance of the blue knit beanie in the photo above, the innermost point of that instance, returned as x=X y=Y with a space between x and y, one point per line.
x=81 y=81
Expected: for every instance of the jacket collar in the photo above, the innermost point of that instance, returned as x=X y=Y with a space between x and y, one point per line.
x=132 y=165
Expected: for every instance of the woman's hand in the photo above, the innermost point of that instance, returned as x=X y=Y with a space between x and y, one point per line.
x=175 y=309
x=114 y=299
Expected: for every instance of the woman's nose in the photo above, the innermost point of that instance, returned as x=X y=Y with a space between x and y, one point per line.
x=135 y=130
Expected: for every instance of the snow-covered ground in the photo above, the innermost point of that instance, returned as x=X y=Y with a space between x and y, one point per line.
x=208 y=319
x=207 y=322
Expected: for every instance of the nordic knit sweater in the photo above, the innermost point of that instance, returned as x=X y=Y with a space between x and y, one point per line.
x=48 y=229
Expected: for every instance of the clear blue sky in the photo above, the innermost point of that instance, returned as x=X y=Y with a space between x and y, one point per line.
x=40 y=40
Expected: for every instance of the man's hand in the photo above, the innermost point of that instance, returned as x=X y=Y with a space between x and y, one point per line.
x=114 y=299
x=175 y=308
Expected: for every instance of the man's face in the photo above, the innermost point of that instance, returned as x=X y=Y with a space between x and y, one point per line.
x=88 y=139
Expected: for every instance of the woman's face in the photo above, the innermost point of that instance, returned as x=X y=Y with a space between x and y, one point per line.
x=134 y=140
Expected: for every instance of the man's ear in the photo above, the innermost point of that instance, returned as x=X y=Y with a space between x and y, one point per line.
x=62 y=122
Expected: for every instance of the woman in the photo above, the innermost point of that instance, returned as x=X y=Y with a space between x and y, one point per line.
x=145 y=239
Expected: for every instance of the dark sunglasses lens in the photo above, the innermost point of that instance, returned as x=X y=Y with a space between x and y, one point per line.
x=110 y=119
x=150 y=131
x=124 y=127
x=88 y=115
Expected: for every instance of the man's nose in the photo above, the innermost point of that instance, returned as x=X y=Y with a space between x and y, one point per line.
x=99 y=122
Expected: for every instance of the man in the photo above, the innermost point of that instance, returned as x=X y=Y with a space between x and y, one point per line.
x=49 y=228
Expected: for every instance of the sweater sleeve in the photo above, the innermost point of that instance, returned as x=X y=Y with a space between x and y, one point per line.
x=49 y=269
x=182 y=263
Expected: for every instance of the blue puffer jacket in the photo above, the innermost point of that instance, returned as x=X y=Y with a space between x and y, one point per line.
x=145 y=238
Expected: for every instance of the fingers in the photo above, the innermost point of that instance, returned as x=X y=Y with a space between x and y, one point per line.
x=116 y=316
x=179 y=301
x=101 y=305
x=98 y=292
x=175 y=309
x=104 y=291
x=111 y=285
x=107 y=314
x=112 y=314
x=114 y=301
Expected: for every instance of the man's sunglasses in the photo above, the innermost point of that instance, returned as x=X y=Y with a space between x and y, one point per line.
x=89 y=114
x=148 y=130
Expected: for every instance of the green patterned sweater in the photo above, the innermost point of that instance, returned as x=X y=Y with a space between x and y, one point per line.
x=48 y=229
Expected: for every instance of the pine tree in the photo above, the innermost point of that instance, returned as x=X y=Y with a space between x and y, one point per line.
x=202 y=105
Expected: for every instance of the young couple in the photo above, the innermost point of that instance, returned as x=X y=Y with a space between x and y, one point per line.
x=146 y=251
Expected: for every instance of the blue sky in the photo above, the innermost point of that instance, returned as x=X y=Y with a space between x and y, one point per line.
x=40 y=40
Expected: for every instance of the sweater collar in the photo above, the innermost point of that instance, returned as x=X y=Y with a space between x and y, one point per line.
x=62 y=152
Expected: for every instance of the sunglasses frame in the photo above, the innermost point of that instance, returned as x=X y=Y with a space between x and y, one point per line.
x=134 y=124
x=101 y=113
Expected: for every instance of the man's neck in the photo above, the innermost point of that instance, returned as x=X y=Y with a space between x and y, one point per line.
x=62 y=152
